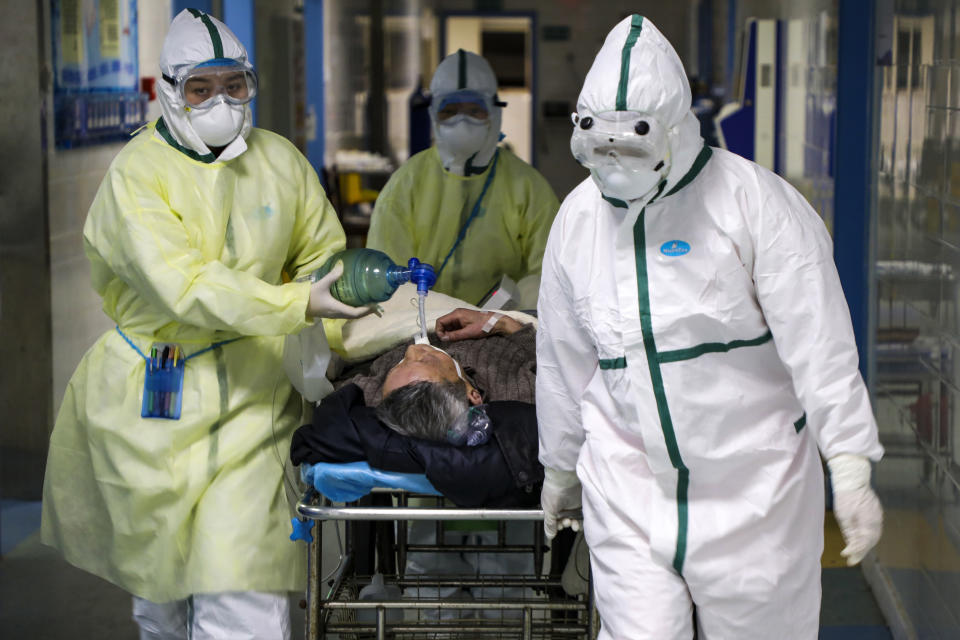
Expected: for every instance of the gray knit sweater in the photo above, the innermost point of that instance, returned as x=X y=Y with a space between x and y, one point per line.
x=501 y=367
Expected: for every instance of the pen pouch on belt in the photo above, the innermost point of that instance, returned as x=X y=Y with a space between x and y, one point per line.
x=163 y=382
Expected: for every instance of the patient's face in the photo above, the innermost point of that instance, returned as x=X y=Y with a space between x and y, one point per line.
x=420 y=363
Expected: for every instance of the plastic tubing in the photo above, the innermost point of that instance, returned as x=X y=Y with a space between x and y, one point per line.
x=422 y=309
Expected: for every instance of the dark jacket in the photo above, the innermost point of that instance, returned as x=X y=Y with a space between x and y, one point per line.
x=503 y=472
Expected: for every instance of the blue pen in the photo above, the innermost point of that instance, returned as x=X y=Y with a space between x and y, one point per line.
x=164 y=360
x=172 y=409
x=152 y=394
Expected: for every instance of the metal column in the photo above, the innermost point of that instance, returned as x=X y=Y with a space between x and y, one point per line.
x=313 y=69
x=26 y=378
x=239 y=16
x=854 y=193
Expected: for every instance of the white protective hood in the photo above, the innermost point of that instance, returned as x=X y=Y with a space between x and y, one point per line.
x=196 y=37
x=467 y=70
x=638 y=70
x=695 y=359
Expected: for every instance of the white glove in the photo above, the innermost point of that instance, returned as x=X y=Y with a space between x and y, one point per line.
x=855 y=505
x=322 y=303
x=560 y=500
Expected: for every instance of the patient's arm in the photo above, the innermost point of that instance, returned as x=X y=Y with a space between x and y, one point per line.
x=464 y=324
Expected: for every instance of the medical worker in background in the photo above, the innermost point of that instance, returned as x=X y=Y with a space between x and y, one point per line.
x=473 y=210
x=694 y=353
x=188 y=236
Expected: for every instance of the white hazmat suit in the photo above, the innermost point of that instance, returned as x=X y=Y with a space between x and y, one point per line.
x=694 y=351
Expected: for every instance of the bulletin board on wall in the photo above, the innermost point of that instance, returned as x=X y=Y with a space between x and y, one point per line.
x=96 y=89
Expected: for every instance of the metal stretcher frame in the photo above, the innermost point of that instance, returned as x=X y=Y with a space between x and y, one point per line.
x=582 y=620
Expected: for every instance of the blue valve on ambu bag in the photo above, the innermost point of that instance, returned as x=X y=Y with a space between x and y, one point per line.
x=422 y=275
x=370 y=276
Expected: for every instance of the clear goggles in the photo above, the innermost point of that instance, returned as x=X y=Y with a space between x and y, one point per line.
x=203 y=85
x=625 y=139
x=458 y=105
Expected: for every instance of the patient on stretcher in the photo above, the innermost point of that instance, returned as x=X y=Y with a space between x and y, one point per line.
x=395 y=410
x=392 y=409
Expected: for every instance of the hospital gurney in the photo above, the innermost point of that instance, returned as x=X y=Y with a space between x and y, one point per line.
x=543 y=611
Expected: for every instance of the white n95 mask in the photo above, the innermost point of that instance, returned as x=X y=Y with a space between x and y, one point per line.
x=218 y=125
x=461 y=137
x=455 y=363
x=627 y=152
x=621 y=184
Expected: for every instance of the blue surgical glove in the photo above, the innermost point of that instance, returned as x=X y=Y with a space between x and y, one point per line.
x=350 y=481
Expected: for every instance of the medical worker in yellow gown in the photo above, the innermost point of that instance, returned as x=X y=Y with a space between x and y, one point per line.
x=469 y=207
x=188 y=237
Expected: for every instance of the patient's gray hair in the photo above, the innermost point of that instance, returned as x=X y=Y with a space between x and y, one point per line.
x=424 y=409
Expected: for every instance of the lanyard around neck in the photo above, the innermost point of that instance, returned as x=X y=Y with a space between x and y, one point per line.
x=473 y=213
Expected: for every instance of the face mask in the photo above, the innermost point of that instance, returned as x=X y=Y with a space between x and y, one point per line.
x=218 y=125
x=621 y=184
x=455 y=363
x=461 y=137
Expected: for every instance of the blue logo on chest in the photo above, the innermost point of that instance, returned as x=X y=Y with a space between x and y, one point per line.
x=674 y=248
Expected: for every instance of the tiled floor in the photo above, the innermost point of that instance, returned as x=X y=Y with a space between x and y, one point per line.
x=849 y=611
x=18 y=519
x=923 y=564
x=44 y=598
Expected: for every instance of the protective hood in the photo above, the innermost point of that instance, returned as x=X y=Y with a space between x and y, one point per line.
x=457 y=72
x=196 y=37
x=638 y=70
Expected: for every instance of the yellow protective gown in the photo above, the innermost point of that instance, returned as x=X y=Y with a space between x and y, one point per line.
x=422 y=208
x=192 y=253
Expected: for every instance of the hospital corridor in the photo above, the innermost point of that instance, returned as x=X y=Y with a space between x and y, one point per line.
x=527 y=319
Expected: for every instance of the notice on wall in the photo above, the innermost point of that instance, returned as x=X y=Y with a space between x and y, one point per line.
x=95 y=45
x=109 y=29
x=71 y=31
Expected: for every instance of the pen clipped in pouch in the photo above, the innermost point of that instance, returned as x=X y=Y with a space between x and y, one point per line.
x=163 y=382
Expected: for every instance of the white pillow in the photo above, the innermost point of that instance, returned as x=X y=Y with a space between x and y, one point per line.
x=371 y=335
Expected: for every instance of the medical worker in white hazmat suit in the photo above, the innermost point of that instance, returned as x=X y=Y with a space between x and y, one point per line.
x=694 y=353
x=181 y=503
